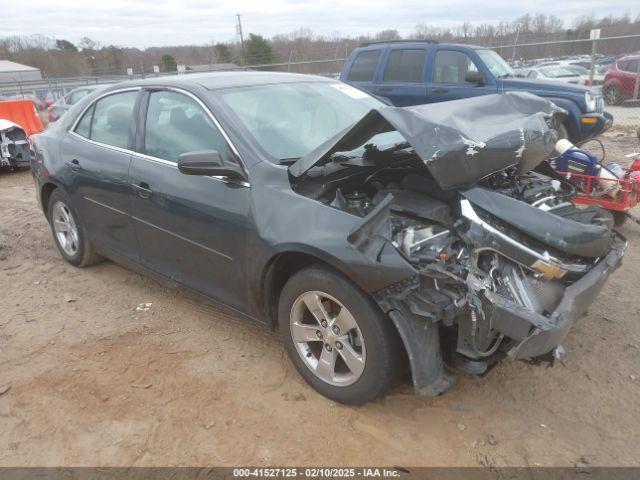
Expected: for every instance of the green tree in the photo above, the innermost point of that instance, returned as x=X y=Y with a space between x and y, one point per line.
x=111 y=59
x=66 y=45
x=221 y=53
x=168 y=63
x=258 y=50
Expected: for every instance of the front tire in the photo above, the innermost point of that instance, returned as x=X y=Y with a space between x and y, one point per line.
x=612 y=95
x=340 y=342
x=68 y=232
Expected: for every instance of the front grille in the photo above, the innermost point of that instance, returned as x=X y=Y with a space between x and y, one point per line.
x=599 y=104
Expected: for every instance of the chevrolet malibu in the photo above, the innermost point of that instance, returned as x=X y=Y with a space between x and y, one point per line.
x=377 y=239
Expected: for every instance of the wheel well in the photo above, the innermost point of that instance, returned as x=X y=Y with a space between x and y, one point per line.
x=45 y=194
x=281 y=269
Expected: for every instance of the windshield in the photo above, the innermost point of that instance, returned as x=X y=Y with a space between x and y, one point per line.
x=495 y=63
x=290 y=120
x=577 y=69
x=557 y=72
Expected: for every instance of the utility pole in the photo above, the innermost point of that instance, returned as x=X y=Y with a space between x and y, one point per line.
x=513 y=54
x=239 y=30
x=594 y=35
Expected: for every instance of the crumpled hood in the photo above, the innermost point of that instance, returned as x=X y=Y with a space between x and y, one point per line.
x=461 y=141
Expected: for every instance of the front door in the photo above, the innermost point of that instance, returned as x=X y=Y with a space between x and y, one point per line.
x=447 y=76
x=189 y=228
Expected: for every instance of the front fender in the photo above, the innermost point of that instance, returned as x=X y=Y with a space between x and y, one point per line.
x=572 y=120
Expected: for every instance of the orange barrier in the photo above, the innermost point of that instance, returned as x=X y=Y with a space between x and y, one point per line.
x=23 y=113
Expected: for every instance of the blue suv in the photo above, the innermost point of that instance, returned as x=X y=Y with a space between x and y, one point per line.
x=416 y=72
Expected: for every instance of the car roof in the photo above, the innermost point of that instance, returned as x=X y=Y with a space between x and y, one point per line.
x=218 y=80
x=414 y=43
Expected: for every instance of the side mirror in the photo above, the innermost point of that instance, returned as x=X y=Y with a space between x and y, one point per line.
x=209 y=163
x=474 y=77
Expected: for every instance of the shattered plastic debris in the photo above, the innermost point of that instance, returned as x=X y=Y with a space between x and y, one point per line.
x=143 y=307
x=474 y=147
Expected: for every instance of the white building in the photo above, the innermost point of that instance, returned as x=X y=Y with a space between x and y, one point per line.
x=15 y=72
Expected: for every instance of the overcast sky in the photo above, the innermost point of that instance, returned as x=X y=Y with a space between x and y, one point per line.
x=146 y=23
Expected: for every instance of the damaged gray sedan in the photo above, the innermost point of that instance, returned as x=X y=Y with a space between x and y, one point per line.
x=435 y=237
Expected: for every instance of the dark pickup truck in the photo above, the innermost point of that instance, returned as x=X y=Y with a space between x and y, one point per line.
x=417 y=72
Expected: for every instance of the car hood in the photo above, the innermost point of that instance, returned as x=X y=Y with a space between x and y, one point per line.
x=461 y=141
x=541 y=86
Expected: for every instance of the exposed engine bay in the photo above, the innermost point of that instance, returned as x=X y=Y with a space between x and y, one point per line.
x=504 y=262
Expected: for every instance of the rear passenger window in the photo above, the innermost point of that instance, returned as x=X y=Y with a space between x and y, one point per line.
x=111 y=119
x=405 y=66
x=177 y=124
x=452 y=67
x=84 y=126
x=364 y=66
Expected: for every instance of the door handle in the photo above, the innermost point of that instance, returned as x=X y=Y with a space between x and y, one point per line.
x=74 y=165
x=385 y=89
x=440 y=90
x=142 y=189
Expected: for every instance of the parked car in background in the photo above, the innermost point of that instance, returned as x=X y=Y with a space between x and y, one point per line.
x=556 y=73
x=620 y=80
x=417 y=72
x=573 y=74
x=372 y=236
x=57 y=109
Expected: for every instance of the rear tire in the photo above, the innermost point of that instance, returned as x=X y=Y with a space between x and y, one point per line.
x=68 y=232
x=348 y=350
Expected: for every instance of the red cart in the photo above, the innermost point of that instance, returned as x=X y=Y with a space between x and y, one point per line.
x=618 y=195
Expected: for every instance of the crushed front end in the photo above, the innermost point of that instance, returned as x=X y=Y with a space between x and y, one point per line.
x=504 y=263
x=14 y=146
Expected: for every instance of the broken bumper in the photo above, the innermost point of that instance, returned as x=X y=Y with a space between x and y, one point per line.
x=535 y=334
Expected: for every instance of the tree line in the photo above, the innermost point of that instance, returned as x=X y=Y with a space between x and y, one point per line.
x=60 y=57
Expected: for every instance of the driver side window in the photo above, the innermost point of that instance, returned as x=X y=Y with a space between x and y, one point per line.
x=176 y=124
x=452 y=66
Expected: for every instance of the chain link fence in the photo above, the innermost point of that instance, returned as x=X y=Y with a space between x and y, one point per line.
x=608 y=66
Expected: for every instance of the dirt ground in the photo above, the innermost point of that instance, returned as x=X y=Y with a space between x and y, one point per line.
x=94 y=381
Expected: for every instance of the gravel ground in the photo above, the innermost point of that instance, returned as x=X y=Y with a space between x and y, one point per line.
x=87 y=379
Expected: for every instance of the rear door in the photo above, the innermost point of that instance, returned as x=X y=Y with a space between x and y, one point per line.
x=402 y=79
x=97 y=153
x=362 y=70
x=448 y=68
x=190 y=228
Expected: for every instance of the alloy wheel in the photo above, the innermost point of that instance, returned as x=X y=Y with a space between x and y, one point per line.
x=65 y=228
x=612 y=96
x=327 y=338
